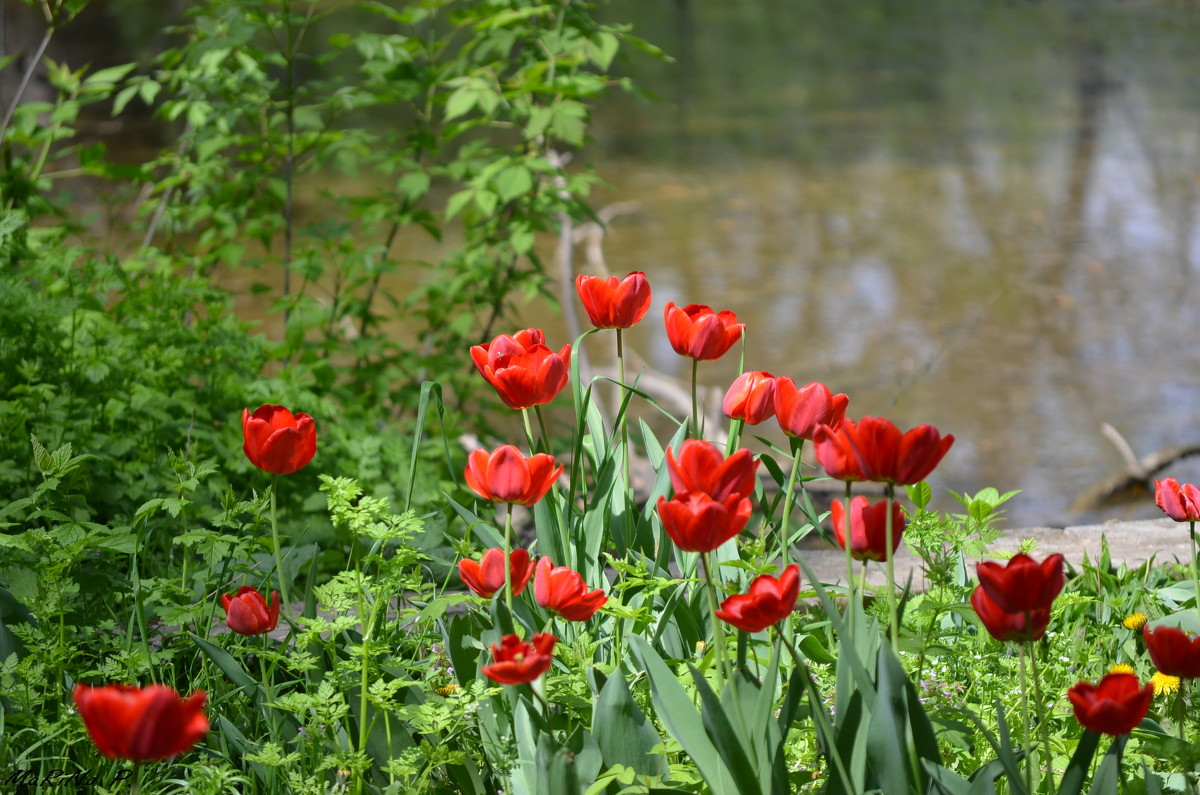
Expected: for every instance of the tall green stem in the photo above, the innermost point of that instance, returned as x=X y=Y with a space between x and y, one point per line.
x=1181 y=708
x=139 y=609
x=849 y=555
x=695 y=410
x=789 y=500
x=630 y=500
x=528 y=431
x=183 y=574
x=1025 y=717
x=891 y=570
x=542 y=427
x=268 y=690
x=508 y=559
x=283 y=588
x=1195 y=574
x=624 y=419
x=1039 y=708
x=364 y=679
x=718 y=632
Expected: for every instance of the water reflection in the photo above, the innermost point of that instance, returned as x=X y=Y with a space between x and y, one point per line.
x=978 y=215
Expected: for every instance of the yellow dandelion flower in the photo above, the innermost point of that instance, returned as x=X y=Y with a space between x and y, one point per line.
x=1164 y=685
x=1121 y=668
x=447 y=690
x=701 y=647
x=1135 y=621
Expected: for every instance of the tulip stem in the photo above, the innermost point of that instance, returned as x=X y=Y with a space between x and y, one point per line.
x=267 y=689
x=630 y=516
x=139 y=609
x=1039 y=708
x=789 y=501
x=718 y=634
x=508 y=559
x=893 y=618
x=528 y=431
x=542 y=428
x=1195 y=574
x=695 y=405
x=849 y=555
x=368 y=617
x=1181 y=708
x=624 y=419
x=283 y=589
x=1025 y=715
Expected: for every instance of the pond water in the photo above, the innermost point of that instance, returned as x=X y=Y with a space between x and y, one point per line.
x=981 y=215
x=972 y=213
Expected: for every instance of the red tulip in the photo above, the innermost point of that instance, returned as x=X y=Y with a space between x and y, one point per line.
x=142 y=724
x=246 y=612
x=1114 y=706
x=751 y=397
x=1173 y=651
x=612 y=302
x=697 y=331
x=801 y=411
x=522 y=369
x=698 y=523
x=278 y=441
x=485 y=577
x=875 y=449
x=518 y=662
x=868 y=527
x=1022 y=584
x=562 y=590
x=505 y=475
x=1180 y=501
x=1019 y=627
x=702 y=467
x=769 y=601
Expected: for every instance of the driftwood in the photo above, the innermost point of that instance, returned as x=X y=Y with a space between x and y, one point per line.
x=1134 y=482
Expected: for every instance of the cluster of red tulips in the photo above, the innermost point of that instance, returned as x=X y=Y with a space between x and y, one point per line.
x=710 y=505
x=712 y=500
x=712 y=493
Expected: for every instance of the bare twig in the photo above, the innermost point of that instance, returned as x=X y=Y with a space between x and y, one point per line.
x=1131 y=462
x=25 y=78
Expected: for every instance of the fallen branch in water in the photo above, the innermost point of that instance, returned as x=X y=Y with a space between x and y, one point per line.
x=1134 y=482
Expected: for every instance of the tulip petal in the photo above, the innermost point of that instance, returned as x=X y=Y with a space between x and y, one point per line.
x=508 y=474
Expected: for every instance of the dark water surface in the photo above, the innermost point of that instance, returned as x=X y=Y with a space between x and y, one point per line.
x=978 y=215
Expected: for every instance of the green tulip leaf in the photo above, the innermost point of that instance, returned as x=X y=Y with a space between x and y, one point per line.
x=677 y=713
x=229 y=666
x=727 y=736
x=1107 y=778
x=1080 y=764
x=623 y=733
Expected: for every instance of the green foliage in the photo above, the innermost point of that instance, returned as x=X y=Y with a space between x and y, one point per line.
x=317 y=148
x=944 y=542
